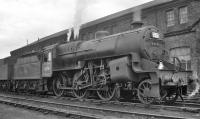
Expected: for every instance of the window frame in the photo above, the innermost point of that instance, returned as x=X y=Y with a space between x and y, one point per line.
x=187 y=63
x=167 y=18
x=179 y=15
x=47 y=56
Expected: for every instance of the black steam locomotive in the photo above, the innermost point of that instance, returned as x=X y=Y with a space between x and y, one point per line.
x=125 y=65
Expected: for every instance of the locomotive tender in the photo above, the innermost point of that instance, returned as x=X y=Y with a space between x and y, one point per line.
x=125 y=65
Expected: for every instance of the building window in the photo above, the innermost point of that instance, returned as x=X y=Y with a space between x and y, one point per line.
x=183 y=15
x=183 y=53
x=170 y=18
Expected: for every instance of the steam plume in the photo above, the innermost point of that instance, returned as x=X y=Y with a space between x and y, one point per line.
x=80 y=13
x=195 y=91
x=197 y=85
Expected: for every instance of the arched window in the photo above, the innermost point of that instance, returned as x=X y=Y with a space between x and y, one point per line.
x=184 y=54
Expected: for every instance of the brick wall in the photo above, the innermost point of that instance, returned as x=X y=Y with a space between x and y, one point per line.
x=196 y=57
x=113 y=26
x=194 y=10
x=157 y=15
x=151 y=16
x=187 y=40
x=37 y=46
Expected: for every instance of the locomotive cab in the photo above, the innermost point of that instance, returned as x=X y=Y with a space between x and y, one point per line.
x=47 y=56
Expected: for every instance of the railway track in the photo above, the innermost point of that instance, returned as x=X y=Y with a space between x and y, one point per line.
x=192 y=102
x=187 y=106
x=95 y=109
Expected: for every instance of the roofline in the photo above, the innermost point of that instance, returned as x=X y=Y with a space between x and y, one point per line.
x=46 y=38
x=55 y=35
x=124 y=12
x=5 y=58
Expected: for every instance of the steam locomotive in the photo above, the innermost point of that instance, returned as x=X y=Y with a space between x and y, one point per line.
x=124 y=65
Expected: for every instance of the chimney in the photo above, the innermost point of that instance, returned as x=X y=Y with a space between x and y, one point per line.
x=137 y=22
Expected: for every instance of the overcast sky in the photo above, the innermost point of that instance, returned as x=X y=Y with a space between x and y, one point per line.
x=22 y=20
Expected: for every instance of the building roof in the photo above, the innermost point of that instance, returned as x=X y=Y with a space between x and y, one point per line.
x=124 y=12
x=47 y=38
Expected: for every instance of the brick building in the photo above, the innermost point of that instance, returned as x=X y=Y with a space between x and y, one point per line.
x=179 y=20
x=41 y=43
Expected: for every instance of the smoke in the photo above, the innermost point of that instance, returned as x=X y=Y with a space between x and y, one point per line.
x=89 y=10
x=196 y=85
x=80 y=14
x=196 y=90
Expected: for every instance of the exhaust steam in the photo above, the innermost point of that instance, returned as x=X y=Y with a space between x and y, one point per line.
x=195 y=84
x=79 y=16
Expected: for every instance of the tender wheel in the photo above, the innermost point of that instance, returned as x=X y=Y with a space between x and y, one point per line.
x=143 y=92
x=109 y=92
x=77 y=83
x=50 y=85
x=57 y=82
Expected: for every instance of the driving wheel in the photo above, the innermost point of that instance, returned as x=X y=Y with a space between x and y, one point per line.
x=109 y=92
x=79 y=81
x=144 y=91
x=57 y=82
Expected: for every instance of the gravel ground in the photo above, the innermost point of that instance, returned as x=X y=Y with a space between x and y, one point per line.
x=10 y=112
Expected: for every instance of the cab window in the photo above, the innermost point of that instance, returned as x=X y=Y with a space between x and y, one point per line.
x=47 y=57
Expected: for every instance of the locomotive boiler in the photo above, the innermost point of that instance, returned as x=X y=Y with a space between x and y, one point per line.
x=123 y=65
x=145 y=42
